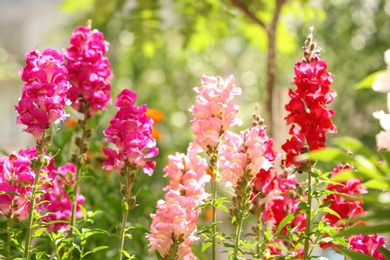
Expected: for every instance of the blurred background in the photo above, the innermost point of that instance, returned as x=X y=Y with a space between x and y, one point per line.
x=160 y=49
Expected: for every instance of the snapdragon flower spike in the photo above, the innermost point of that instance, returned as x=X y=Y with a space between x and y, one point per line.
x=130 y=130
x=309 y=116
x=174 y=222
x=240 y=152
x=57 y=205
x=44 y=93
x=215 y=111
x=188 y=174
x=16 y=179
x=368 y=245
x=88 y=70
x=186 y=191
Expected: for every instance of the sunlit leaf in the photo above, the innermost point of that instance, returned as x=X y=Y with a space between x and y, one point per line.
x=367 y=81
x=356 y=255
x=360 y=230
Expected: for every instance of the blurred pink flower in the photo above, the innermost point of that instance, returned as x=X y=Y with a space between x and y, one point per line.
x=130 y=130
x=215 y=111
x=88 y=70
x=58 y=205
x=17 y=176
x=44 y=93
x=368 y=245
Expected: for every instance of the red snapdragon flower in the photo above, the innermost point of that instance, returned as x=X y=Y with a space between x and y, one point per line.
x=44 y=92
x=88 y=70
x=308 y=112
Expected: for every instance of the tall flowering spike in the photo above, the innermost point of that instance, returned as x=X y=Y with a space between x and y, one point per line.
x=44 y=92
x=368 y=245
x=174 y=224
x=215 y=111
x=88 y=70
x=57 y=205
x=16 y=178
x=309 y=116
x=130 y=130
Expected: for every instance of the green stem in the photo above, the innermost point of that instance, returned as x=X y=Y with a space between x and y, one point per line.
x=238 y=235
x=213 y=164
x=122 y=234
x=79 y=161
x=32 y=206
x=9 y=236
x=308 y=219
x=128 y=203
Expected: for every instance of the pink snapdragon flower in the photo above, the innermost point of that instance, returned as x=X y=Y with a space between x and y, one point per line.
x=368 y=245
x=175 y=219
x=58 y=205
x=16 y=178
x=130 y=130
x=187 y=173
x=88 y=70
x=215 y=111
x=242 y=152
x=44 y=93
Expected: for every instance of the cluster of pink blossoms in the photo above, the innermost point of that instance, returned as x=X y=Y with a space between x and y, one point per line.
x=57 y=204
x=308 y=112
x=88 y=70
x=176 y=216
x=368 y=245
x=215 y=111
x=44 y=93
x=346 y=203
x=130 y=130
x=239 y=153
x=16 y=178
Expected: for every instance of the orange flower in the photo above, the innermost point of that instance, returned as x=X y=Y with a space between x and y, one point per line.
x=210 y=172
x=156 y=134
x=71 y=123
x=155 y=114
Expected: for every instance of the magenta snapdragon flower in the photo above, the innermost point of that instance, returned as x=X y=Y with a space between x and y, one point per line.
x=368 y=245
x=57 y=205
x=16 y=179
x=88 y=70
x=130 y=130
x=44 y=93
x=215 y=111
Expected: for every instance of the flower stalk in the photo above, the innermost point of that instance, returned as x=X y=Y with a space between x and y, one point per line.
x=306 y=254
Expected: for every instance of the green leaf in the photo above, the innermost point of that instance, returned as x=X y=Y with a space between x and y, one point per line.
x=70 y=6
x=377 y=184
x=330 y=211
x=367 y=81
x=327 y=155
x=385 y=252
x=284 y=222
x=360 y=230
x=356 y=255
x=206 y=245
x=39 y=232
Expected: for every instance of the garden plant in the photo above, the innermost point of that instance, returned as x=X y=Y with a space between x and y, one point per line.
x=230 y=194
